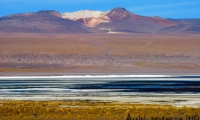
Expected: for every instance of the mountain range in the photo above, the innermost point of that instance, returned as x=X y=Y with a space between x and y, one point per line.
x=117 y=20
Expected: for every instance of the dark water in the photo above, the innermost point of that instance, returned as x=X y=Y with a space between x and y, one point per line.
x=95 y=86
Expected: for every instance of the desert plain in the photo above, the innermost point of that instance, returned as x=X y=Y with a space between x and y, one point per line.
x=119 y=53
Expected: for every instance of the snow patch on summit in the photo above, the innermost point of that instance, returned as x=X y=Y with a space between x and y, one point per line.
x=83 y=14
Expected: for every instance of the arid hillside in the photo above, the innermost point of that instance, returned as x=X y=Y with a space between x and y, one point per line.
x=87 y=21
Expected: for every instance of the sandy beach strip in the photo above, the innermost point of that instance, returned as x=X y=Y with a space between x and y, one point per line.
x=174 y=100
x=145 y=77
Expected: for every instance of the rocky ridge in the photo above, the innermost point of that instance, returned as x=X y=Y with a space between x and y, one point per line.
x=117 y=20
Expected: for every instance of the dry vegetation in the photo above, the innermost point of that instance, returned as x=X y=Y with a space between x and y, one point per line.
x=99 y=52
x=88 y=110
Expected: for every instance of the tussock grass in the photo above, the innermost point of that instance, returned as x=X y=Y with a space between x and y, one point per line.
x=83 y=110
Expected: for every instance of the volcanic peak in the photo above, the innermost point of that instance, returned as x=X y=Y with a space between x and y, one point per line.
x=120 y=13
x=120 y=10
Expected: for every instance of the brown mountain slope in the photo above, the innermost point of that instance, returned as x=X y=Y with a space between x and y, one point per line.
x=189 y=21
x=92 y=22
x=42 y=22
x=120 y=14
x=125 y=21
x=182 y=28
x=123 y=14
x=117 y=20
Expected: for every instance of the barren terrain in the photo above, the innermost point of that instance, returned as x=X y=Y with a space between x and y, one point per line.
x=100 y=53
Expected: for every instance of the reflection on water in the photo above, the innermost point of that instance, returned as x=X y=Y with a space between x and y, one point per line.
x=99 y=86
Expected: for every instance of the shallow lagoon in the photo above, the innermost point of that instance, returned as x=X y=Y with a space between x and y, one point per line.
x=111 y=85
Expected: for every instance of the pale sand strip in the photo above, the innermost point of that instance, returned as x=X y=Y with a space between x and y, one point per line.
x=146 y=77
x=175 y=100
x=85 y=76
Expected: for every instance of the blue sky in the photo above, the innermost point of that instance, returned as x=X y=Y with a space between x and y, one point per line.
x=164 y=8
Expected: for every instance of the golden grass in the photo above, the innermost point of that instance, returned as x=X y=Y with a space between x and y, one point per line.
x=87 y=110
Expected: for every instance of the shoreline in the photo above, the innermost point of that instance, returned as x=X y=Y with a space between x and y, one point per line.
x=102 y=77
x=179 y=99
x=13 y=74
x=173 y=100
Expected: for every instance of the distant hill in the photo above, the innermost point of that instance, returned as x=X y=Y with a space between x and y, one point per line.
x=88 y=21
x=42 y=22
x=181 y=28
